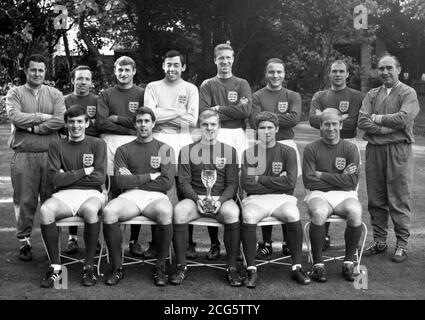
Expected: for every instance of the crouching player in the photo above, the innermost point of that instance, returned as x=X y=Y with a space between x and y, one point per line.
x=77 y=169
x=269 y=176
x=144 y=170
x=330 y=172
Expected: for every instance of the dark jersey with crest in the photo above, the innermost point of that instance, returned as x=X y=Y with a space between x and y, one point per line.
x=286 y=104
x=89 y=102
x=347 y=101
x=276 y=168
x=331 y=160
x=67 y=160
x=196 y=157
x=142 y=159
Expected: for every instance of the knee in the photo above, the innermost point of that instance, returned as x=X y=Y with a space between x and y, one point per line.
x=109 y=215
x=181 y=213
x=164 y=212
x=354 y=213
x=318 y=215
x=249 y=216
x=230 y=213
x=90 y=212
x=291 y=213
x=47 y=213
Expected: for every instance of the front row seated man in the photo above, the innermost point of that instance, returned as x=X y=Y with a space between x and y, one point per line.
x=331 y=174
x=221 y=161
x=269 y=176
x=77 y=169
x=144 y=170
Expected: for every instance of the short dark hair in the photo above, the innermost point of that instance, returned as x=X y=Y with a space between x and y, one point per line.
x=124 y=61
x=222 y=46
x=330 y=110
x=266 y=116
x=339 y=62
x=36 y=58
x=75 y=111
x=144 y=110
x=387 y=55
x=175 y=53
x=208 y=113
x=82 y=67
x=275 y=60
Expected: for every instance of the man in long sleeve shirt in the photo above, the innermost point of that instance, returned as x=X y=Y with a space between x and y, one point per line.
x=144 y=169
x=77 y=170
x=330 y=175
x=387 y=117
x=270 y=187
x=36 y=112
x=220 y=159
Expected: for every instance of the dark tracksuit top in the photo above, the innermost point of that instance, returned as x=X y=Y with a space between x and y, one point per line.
x=347 y=101
x=120 y=102
x=142 y=159
x=72 y=157
x=286 y=104
x=227 y=93
x=331 y=160
x=89 y=102
x=279 y=159
x=196 y=157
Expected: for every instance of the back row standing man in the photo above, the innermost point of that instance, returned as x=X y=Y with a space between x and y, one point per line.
x=36 y=112
x=346 y=100
x=230 y=96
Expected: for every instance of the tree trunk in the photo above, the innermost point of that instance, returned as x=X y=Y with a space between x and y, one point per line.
x=67 y=52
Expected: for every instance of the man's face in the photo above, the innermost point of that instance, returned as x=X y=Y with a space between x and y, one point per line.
x=35 y=73
x=388 y=71
x=77 y=127
x=82 y=82
x=275 y=74
x=124 y=74
x=267 y=132
x=331 y=126
x=224 y=61
x=173 y=68
x=338 y=75
x=209 y=128
x=144 y=125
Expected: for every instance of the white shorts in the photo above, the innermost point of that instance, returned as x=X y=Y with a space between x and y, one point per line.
x=74 y=198
x=113 y=141
x=269 y=202
x=291 y=143
x=234 y=137
x=175 y=140
x=334 y=198
x=142 y=198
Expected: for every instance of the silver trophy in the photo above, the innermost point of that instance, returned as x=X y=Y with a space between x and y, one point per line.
x=209 y=177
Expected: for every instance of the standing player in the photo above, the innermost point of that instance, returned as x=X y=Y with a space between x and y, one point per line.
x=36 y=112
x=81 y=78
x=144 y=169
x=221 y=159
x=330 y=173
x=230 y=96
x=175 y=103
x=348 y=101
x=114 y=119
x=77 y=169
x=387 y=116
x=286 y=104
x=270 y=189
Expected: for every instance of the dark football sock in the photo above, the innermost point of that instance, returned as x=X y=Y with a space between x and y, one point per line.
x=232 y=242
x=213 y=232
x=317 y=238
x=352 y=237
x=163 y=236
x=73 y=230
x=191 y=234
x=294 y=240
x=113 y=238
x=91 y=234
x=180 y=236
x=134 y=232
x=267 y=233
x=249 y=242
x=327 y=228
x=285 y=239
x=50 y=236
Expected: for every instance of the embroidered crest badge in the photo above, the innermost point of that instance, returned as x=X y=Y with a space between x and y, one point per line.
x=133 y=106
x=91 y=111
x=282 y=106
x=88 y=159
x=340 y=163
x=220 y=162
x=155 y=162
x=277 y=167
x=344 y=105
x=182 y=99
x=232 y=96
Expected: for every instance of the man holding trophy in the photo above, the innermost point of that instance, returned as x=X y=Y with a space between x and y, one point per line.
x=208 y=180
